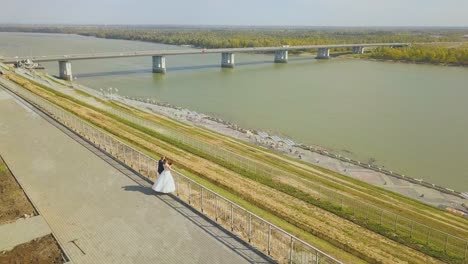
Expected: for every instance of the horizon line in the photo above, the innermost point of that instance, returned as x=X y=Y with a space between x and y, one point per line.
x=229 y=25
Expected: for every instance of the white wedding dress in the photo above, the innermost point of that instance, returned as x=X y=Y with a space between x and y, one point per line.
x=165 y=182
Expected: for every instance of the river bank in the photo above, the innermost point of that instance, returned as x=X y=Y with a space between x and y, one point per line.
x=410 y=62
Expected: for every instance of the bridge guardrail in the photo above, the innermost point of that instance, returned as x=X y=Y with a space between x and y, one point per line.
x=265 y=236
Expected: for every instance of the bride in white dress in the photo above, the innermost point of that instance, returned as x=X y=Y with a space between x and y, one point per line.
x=165 y=182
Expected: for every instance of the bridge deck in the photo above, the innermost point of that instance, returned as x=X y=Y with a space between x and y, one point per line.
x=125 y=54
x=99 y=211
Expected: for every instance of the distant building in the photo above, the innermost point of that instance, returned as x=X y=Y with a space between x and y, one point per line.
x=466 y=36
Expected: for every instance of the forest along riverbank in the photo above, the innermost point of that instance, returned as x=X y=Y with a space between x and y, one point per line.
x=417 y=189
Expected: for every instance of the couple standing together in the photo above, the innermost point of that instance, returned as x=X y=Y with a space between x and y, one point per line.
x=165 y=182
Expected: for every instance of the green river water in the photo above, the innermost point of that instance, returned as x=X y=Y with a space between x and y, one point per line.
x=409 y=118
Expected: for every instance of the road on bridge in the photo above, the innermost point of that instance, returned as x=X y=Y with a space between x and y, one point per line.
x=124 y=54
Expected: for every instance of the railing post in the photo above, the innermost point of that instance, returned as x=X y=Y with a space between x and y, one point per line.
x=178 y=188
x=216 y=208
x=232 y=218
x=149 y=172
x=189 y=192
x=201 y=199
x=269 y=240
x=111 y=148
x=250 y=227
x=291 y=248
x=139 y=162
x=317 y=259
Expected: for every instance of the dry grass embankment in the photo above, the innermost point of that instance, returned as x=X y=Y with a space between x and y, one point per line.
x=300 y=175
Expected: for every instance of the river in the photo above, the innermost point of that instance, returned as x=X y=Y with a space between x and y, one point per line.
x=409 y=118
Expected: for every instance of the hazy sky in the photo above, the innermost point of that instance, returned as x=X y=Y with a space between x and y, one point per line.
x=239 y=12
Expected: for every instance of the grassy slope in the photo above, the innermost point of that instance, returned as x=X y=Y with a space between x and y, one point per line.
x=394 y=202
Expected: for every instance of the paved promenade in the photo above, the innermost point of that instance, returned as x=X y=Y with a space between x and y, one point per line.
x=99 y=211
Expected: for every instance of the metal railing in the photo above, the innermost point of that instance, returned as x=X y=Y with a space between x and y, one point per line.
x=362 y=212
x=265 y=236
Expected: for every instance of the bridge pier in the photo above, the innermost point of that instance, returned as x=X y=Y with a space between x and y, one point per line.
x=358 y=50
x=227 y=60
x=323 y=53
x=281 y=56
x=159 y=64
x=65 y=71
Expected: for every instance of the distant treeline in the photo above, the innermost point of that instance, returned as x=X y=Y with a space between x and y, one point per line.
x=424 y=54
x=229 y=37
x=248 y=37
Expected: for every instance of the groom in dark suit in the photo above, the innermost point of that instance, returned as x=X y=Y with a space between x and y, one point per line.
x=161 y=164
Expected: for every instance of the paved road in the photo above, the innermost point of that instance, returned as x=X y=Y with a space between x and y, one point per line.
x=102 y=213
x=124 y=54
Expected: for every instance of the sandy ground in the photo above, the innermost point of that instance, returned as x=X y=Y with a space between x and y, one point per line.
x=43 y=250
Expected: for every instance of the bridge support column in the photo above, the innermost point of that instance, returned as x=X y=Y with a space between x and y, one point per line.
x=323 y=53
x=358 y=50
x=65 y=71
x=281 y=56
x=159 y=64
x=227 y=60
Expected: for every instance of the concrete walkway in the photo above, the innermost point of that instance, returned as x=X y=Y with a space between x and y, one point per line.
x=22 y=231
x=98 y=210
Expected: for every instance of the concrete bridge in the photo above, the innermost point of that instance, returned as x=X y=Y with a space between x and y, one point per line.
x=227 y=55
